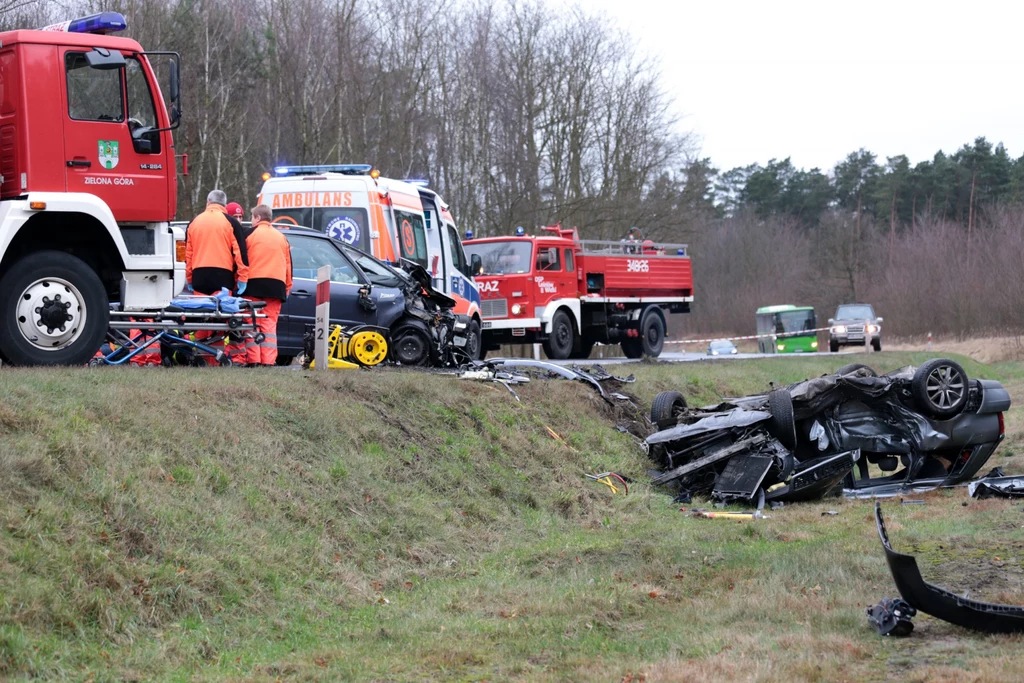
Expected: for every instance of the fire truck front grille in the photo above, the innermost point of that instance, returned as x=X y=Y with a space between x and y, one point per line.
x=494 y=308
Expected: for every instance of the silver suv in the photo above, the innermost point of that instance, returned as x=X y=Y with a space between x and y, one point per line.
x=852 y=326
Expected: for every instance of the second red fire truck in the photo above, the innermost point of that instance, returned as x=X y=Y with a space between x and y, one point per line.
x=570 y=294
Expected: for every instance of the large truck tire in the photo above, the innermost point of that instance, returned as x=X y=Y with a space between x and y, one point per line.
x=562 y=339
x=652 y=333
x=583 y=348
x=53 y=310
x=632 y=348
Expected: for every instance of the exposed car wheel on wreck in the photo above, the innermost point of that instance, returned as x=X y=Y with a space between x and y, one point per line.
x=667 y=408
x=926 y=427
x=783 y=422
x=940 y=387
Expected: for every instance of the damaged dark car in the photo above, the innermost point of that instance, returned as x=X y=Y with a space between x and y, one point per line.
x=850 y=431
x=422 y=327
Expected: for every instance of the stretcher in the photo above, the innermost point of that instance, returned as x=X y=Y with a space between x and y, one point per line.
x=193 y=330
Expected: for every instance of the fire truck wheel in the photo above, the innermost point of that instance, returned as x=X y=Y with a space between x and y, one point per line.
x=562 y=338
x=582 y=349
x=632 y=348
x=53 y=310
x=652 y=331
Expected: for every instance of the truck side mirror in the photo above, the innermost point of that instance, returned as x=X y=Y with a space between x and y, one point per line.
x=175 y=93
x=476 y=264
x=104 y=59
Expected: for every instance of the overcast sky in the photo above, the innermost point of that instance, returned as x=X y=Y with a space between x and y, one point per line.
x=814 y=81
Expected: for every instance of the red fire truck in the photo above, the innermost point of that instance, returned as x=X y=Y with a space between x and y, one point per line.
x=87 y=187
x=571 y=294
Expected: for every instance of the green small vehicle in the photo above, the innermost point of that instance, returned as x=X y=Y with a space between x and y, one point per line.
x=779 y=329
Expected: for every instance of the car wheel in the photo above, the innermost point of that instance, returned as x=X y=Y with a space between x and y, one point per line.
x=854 y=367
x=53 y=310
x=474 y=341
x=783 y=423
x=876 y=344
x=833 y=346
x=652 y=334
x=939 y=388
x=666 y=409
x=409 y=346
x=559 y=343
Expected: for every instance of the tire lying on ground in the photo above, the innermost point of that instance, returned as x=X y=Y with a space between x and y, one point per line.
x=666 y=409
x=783 y=423
x=854 y=367
x=939 y=388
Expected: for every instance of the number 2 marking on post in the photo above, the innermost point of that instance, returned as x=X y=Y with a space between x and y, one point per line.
x=638 y=266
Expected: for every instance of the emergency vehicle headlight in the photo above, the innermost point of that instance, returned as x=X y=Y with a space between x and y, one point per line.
x=102 y=23
x=266 y=177
x=516 y=309
x=37 y=206
x=374 y=173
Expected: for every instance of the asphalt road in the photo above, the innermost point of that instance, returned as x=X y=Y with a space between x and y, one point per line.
x=677 y=357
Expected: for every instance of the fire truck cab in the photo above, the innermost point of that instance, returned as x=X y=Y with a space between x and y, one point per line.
x=391 y=219
x=87 y=187
x=570 y=294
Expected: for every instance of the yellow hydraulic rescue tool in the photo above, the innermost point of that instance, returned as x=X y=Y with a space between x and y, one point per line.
x=361 y=348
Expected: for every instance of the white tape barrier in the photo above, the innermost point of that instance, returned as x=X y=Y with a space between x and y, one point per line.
x=750 y=336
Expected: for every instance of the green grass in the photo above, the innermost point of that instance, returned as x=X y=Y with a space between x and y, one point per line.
x=222 y=524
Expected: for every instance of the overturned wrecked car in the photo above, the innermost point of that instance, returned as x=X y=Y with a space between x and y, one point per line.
x=930 y=425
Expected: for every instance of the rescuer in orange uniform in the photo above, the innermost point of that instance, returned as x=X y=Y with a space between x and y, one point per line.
x=270 y=280
x=215 y=253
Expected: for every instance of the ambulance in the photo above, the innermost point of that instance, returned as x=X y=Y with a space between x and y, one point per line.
x=391 y=219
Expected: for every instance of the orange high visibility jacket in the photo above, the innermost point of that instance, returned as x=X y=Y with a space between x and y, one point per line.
x=270 y=263
x=215 y=253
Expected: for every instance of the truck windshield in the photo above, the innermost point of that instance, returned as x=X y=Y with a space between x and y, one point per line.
x=860 y=312
x=794 y=321
x=502 y=258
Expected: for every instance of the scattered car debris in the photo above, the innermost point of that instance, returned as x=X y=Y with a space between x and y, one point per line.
x=911 y=502
x=803 y=441
x=891 y=617
x=941 y=603
x=829 y=513
x=499 y=370
x=997 y=487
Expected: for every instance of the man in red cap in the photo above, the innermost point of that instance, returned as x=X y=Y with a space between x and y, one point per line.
x=235 y=209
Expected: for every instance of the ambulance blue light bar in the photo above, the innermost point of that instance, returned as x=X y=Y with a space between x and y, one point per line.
x=102 y=23
x=347 y=169
x=418 y=182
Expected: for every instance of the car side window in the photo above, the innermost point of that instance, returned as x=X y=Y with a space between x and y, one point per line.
x=309 y=254
x=455 y=248
x=570 y=267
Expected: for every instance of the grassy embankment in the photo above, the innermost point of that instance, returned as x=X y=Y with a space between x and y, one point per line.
x=231 y=524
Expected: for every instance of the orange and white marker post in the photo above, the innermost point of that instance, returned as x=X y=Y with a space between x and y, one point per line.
x=323 y=316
